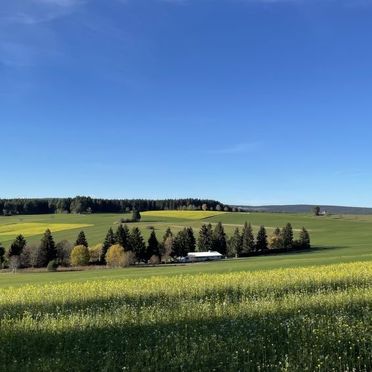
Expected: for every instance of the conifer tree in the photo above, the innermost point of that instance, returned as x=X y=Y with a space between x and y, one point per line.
x=287 y=236
x=235 y=244
x=17 y=246
x=190 y=241
x=248 y=244
x=304 y=239
x=219 y=239
x=108 y=242
x=81 y=240
x=122 y=237
x=137 y=244
x=261 y=242
x=47 y=248
x=205 y=239
x=152 y=246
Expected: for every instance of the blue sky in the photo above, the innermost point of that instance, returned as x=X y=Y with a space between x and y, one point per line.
x=245 y=101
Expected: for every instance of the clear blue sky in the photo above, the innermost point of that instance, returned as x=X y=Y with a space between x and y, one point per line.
x=245 y=101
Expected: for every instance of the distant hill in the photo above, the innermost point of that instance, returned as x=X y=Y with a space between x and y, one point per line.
x=306 y=208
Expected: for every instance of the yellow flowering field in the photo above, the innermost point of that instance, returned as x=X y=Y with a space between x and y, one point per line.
x=314 y=319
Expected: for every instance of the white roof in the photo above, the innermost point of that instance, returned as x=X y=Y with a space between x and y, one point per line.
x=205 y=254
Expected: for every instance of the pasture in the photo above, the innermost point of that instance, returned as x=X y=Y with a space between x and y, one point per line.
x=335 y=239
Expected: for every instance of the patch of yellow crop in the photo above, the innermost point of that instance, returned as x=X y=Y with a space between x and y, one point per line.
x=188 y=215
x=36 y=228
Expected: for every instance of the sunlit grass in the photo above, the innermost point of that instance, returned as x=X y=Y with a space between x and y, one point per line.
x=316 y=318
x=188 y=215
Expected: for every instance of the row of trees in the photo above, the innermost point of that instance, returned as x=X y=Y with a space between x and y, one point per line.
x=82 y=204
x=125 y=246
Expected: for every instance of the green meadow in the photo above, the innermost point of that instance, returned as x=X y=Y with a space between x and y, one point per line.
x=284 y=312
x=335 y=239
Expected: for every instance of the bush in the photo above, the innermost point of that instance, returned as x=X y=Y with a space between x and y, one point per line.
x=64 y=249
x=154 y=260
x=117 y=257
x=52 y=265
x=95 y=254
x=80 y=256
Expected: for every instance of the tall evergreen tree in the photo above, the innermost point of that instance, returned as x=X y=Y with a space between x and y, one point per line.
x=205 y=239
x=81 y=239
x=261 y=241
x=183 y=243
x=122 y=237
x=304 y=239
x=47 y=248
x=248 y=244
x=190 y=241
x=108 y=242
x=138 y=244
x=152 y=246
x=17 y=246
x=234 y=247
x=219 y=239
x=287 y=236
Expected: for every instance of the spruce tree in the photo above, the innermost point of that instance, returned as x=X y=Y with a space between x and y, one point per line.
x=205 y=239
x=304 y=239
x=248 y=244
x=152 y=246
x=108 y=242
x=17 y=246
x=190 y=241
x=219 y=239
x=234 y=246
x=261 y=242
x=81 y=239
x=47 y=249
x=287 y=236
x=122 y=237
x=137 y=244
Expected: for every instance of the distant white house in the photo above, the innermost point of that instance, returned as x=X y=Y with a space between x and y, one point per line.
x=204 y=256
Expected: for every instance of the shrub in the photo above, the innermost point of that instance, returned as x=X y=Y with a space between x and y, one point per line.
x=117 y=257
x=80 y=256
x=64 y=249
x=52 y=265
x=95 y=254
x=154 y=260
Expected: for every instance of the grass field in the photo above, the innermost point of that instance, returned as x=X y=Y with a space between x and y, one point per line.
x=314 y=319
x=335 y=239
x=288 y=312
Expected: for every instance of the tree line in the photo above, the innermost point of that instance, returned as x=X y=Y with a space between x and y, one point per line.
x=126 y=246
x=84 y=204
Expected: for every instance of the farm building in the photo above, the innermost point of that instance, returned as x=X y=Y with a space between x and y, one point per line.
x=204 y=256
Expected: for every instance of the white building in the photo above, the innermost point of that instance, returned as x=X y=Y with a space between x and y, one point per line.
x=204 y=256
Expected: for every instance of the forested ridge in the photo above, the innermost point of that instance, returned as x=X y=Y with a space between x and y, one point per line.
x=84 y=204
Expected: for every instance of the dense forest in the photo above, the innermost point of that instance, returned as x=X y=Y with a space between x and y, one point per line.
x=83 y=204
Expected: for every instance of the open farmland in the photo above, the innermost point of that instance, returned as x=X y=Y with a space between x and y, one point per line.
x=288 y=312
x=335 y=239
x=315 y=318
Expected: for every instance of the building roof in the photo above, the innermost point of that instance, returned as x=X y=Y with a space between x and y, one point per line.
x=204 y=254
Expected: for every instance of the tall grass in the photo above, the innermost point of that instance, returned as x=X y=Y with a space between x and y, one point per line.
x=316 y=318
